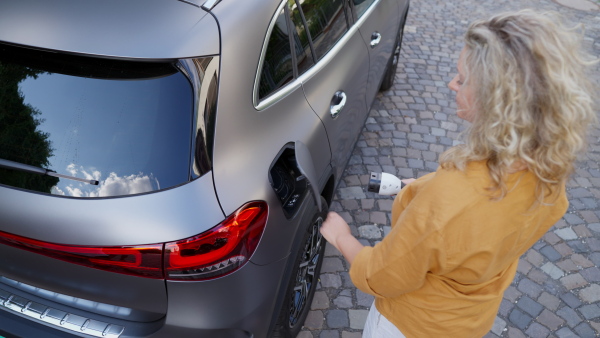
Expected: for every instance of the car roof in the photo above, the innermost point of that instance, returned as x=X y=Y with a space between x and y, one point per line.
x=148 y=29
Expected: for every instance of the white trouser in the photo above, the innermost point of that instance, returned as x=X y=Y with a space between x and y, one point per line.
x=377 y=326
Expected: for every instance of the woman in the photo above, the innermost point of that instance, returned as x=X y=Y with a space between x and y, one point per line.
x=457 y=234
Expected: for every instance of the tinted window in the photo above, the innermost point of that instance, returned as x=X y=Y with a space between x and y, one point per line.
x=326 y=22
x=361 y=6
x=125 y=124
x=304 y=57
x=277 y=67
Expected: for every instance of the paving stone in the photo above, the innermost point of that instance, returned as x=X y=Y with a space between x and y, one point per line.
x=552 y=270
x=515 y=333
x=595 y=325
x=346 y=281
x=530 y=288
x=314 y=320
x=364 y=299
x=563 y=249
x=519 y=319
x=550 y=253
x=499 y=326
x=581 y=261
x=590 y=311
x=537 y=276
x=512 y=294
x=534 y=258
x=591 y=274
x=570 y=299
x=320 y=301
x=305 y=334
x=565 y=332
x=329 y=334
x=378 y=217
x=551 y=238
x=332 y=264
x=346 y=334
x=358 y=318
x=573 y=281
x=566 y=233
x=550 y=320
x=569 y=315
x=351 y=193
x=568 y=266
x=578 y=246
x=530 y=306
x=369 y=231
x=330 y=250
x=584 y=330
x=595 y=257
x=524 y=266
x=505 y=307
x=590 y=294
x=549 y=301
x=329 y=280
x=582 y=231
x=337 y=319
x=537 y=330
x=343 y=302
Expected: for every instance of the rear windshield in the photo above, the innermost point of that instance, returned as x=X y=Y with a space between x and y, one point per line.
x=124 y=124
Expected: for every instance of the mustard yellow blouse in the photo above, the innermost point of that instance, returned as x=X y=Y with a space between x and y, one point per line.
x=452 y=251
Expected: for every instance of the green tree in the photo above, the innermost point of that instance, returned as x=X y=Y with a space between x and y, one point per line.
x=20 y=139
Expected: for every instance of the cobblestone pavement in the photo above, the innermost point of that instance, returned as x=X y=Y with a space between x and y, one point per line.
x=556 y=292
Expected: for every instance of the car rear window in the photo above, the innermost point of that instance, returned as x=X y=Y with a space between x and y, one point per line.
x=125 y=124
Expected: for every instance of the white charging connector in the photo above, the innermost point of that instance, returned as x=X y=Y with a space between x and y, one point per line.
x=384 y=184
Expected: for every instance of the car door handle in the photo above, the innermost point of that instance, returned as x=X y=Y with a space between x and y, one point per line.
x=337 y=103
x=375 y=38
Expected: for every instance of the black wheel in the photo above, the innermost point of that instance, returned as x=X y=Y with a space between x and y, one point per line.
x=390 y=69
x=304 y=278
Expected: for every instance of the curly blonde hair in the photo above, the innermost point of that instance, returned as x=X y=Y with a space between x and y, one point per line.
x=532 y=96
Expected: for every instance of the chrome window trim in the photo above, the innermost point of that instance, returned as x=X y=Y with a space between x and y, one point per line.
x=297 y=82
x=210 y=4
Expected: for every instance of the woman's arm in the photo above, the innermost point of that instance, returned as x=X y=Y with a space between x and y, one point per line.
x=337 y=232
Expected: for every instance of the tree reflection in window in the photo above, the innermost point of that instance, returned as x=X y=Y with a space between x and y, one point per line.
x=20 y=139
x=326 y=22
x=277 y=67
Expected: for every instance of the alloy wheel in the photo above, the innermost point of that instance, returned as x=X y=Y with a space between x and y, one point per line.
x=305 y=278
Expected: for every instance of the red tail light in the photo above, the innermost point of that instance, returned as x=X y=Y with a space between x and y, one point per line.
x=214 y=253
x=220 y=250
x=142 y=260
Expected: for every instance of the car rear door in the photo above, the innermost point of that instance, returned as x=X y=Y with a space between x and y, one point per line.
x=377 y=21
x=337 y=90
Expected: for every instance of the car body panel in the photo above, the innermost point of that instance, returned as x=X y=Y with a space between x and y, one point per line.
x=146 y=219
x=234 y=161
x=106 y=27
x=377 y=19
x=343 y=130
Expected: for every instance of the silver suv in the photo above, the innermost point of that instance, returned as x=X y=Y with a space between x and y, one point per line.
x=165 y=165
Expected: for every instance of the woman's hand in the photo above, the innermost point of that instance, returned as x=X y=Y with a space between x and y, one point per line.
x=333 y=227
x=337 y=232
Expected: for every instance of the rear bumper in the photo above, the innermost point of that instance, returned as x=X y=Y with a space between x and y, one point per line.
x=235 y=306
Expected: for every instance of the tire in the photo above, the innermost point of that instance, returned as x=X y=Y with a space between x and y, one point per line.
x=303 y=281
x=392 y=66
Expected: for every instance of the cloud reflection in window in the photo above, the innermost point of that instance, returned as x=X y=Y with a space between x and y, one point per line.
x=113 y=185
